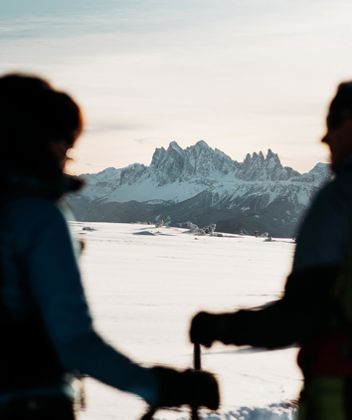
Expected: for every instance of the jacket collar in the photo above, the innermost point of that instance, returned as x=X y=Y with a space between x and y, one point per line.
x=15 y=184
x=346 y=165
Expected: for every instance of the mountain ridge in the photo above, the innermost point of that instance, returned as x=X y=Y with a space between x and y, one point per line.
x=200 y=183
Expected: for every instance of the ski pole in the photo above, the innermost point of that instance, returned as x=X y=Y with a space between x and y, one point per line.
x=197 y=365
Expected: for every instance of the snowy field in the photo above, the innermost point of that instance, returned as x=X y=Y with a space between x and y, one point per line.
x=143 y=290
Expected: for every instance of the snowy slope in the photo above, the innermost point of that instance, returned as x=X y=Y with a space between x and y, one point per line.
x=144 y=290
x=193 y=183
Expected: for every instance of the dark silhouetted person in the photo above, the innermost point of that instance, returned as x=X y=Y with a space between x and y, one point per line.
x=47 y=335
x=316 y=309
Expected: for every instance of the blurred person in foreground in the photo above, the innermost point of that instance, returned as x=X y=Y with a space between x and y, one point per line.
x=47 y=335
x=315 y=311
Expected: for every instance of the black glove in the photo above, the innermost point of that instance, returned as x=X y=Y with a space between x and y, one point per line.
x=207 y=328
x=194 y=388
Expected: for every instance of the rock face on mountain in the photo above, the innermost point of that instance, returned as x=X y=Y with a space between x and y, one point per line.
x=202 y=185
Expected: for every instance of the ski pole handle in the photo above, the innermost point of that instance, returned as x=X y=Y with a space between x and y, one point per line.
x=195 y=414
x=149 y=414
x=197 y=365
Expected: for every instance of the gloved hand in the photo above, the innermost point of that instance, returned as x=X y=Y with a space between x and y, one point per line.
x=194 y=388
x=207 y=328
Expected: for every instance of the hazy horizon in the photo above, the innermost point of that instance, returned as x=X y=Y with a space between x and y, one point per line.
x=243 y=76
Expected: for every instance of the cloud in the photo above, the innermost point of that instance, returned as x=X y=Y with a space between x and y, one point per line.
x=108 y=127
x=145 y=140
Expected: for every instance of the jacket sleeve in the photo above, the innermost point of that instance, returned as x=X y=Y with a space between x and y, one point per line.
x=322 y=243
x=57 y=290
x=305 y=306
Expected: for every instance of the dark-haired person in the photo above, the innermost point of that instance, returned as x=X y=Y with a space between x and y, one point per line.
x=316 y=308
x=46 y=331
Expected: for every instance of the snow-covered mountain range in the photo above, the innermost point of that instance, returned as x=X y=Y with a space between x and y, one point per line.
x=202 y=185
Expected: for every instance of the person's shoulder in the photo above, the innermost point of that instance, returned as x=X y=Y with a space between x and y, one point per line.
x=333 y=189
x=36 y=203
x=325 y=193
x=34 y=210
x=28 y=217
x=332 y=198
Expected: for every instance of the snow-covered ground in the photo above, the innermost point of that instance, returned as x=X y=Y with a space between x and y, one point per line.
x=143 y=290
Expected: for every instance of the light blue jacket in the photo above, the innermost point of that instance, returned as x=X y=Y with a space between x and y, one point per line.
x=41 y=239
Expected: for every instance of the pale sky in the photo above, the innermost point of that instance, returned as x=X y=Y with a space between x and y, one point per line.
x=243 y=75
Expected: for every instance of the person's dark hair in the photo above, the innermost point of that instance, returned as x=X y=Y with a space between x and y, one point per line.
x=341 y=106
x=32 y=115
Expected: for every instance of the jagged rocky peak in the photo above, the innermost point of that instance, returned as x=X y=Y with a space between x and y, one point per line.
x=158 y=155
x=132 y=172
x=196 y=161
x=201 y=145
x=200 y=150
x=271 y=155
x=202 y=161
x=272 y=160
x=321 y=168
x=105 y=172
x=103 y=176
x=167 y=165
x=174 y=147
x=256 y=166
x=320 y=173
x=259 y=157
